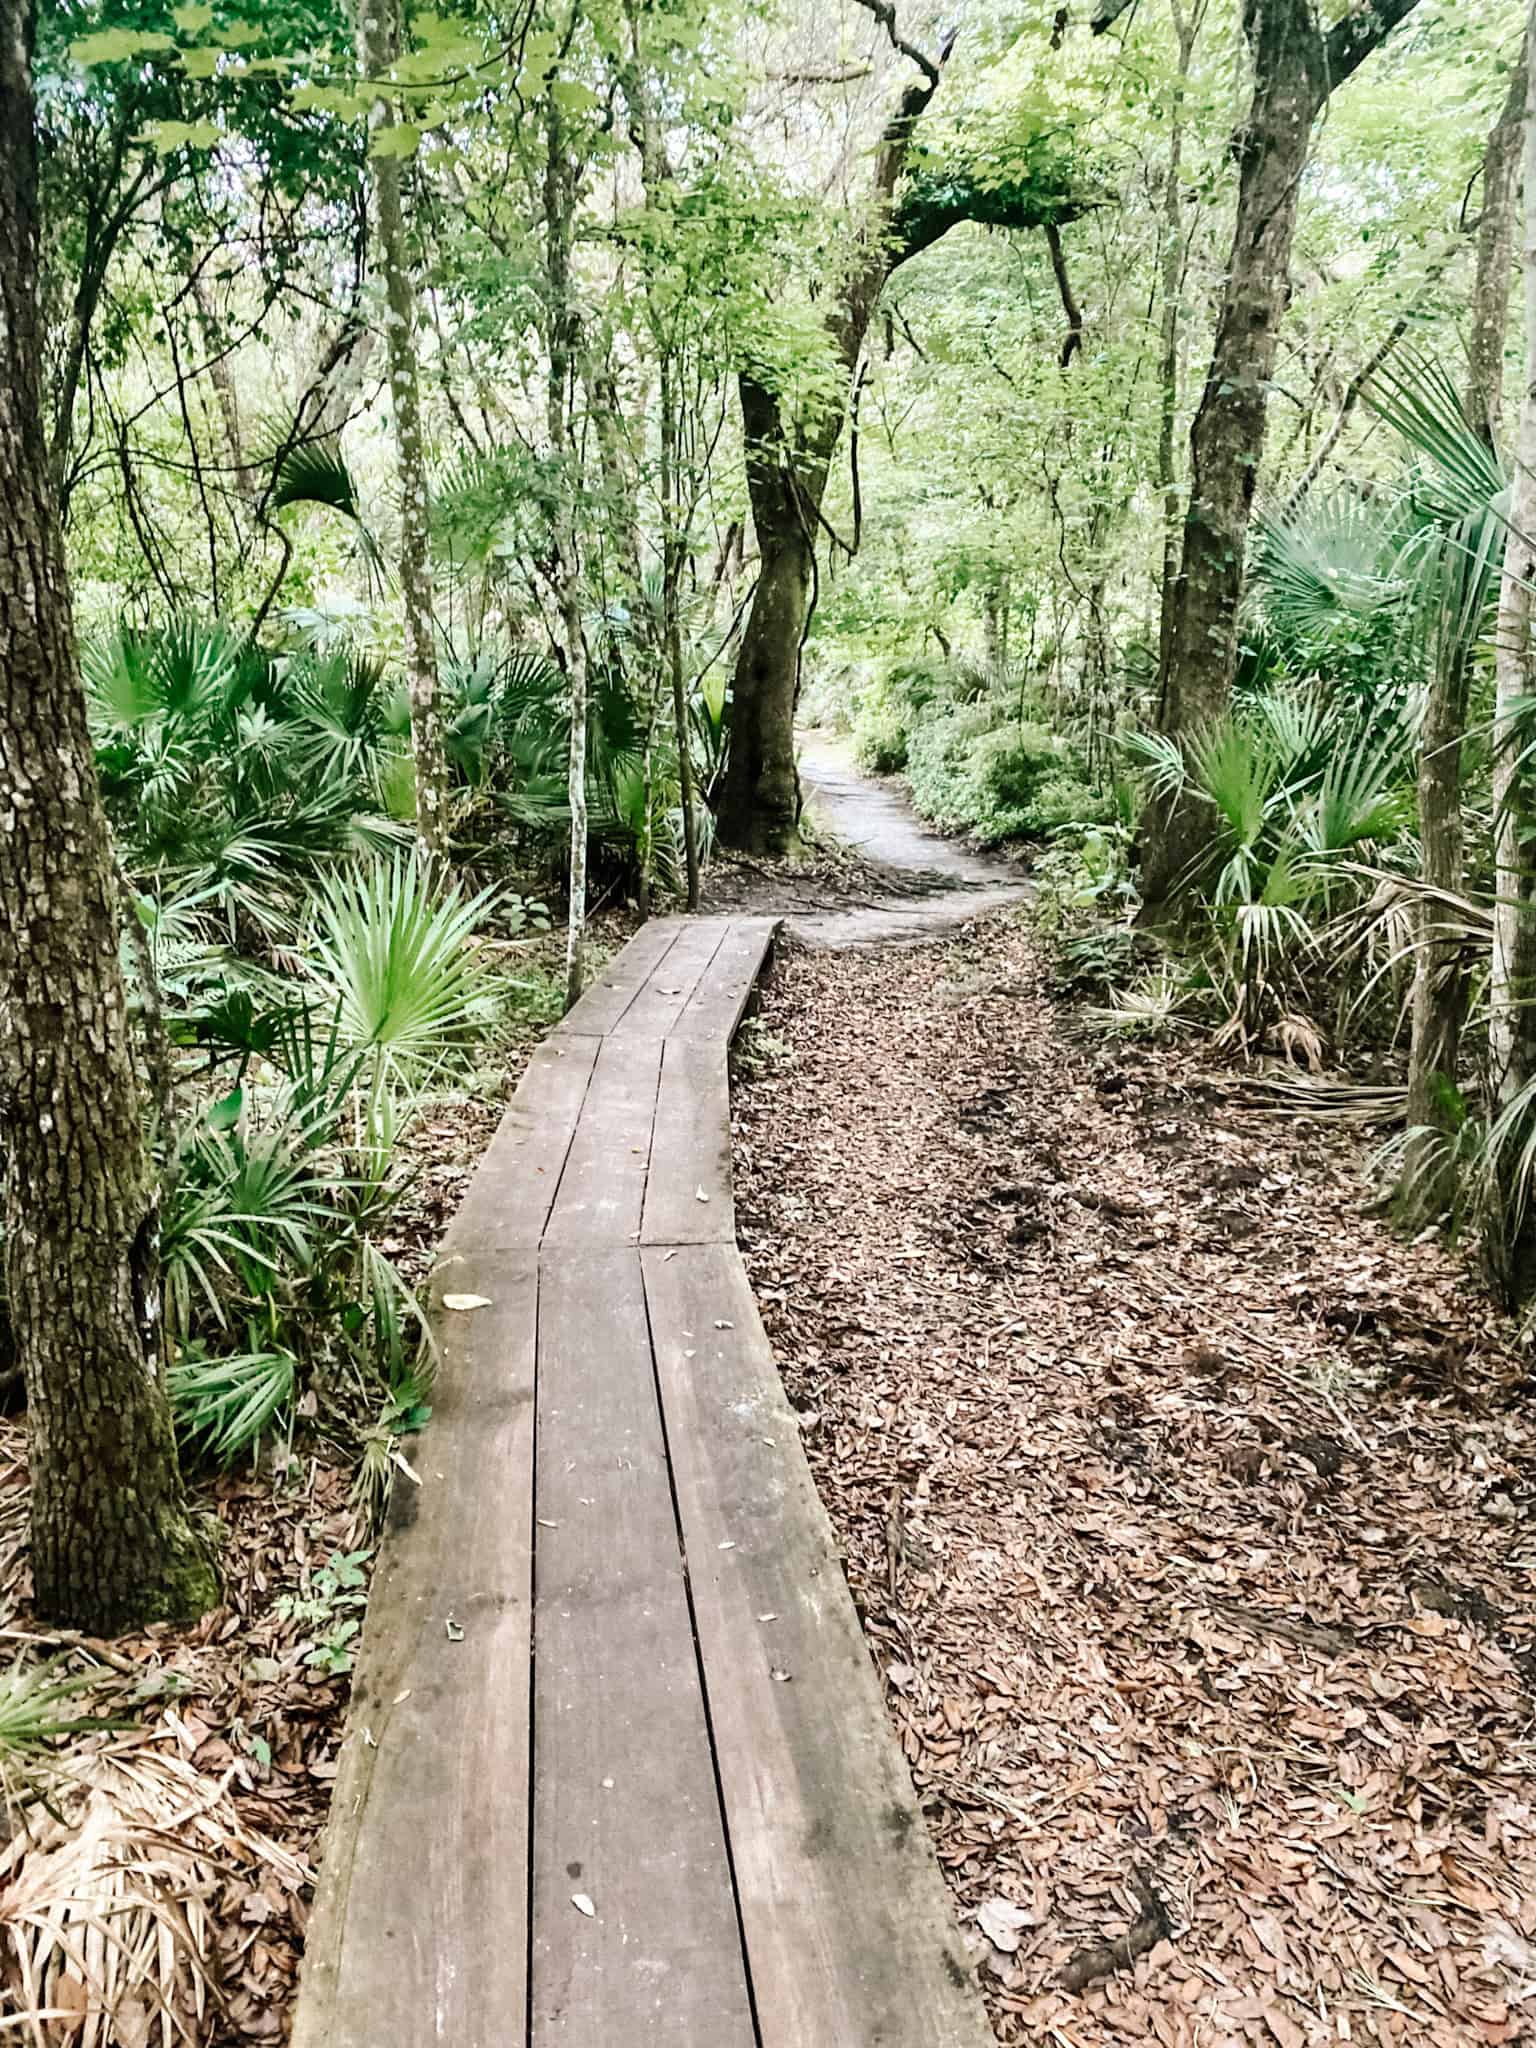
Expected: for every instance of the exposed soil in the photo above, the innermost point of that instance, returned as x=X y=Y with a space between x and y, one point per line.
x=1192 y=1514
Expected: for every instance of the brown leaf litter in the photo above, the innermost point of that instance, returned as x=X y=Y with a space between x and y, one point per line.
x=1192 y=1514
x=158 y=1893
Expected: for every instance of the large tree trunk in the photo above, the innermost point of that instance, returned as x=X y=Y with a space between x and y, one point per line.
x=1512 y=991
x=760 y=800
x=1295 y=66
x=787 y=466
x=379 y=40
x=111 y=1540
x=1440 y=988
x=1201 y=605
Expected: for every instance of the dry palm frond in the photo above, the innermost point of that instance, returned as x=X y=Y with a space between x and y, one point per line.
x=104 y=1901
x=1299 y=1035
x=1350 y=1101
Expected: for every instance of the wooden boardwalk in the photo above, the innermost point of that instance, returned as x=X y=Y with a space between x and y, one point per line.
x=618 y=1770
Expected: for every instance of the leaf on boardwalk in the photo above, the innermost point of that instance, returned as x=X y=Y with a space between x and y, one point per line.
x=466 y=1302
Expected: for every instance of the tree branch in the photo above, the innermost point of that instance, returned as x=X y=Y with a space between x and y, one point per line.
x=1069 y=304
x=885 y=14
x=1350 y=41
x=1107 y=13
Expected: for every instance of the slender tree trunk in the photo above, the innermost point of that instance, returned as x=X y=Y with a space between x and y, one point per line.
x=656 y=174
x=1497 y=231
x=673 y=559
x=112 y=1543
x=1186 y=28
x=994 y=625
x=379 y=40
x=1440 y=988
x=1295 y=66
x=559 y=222
x=1512 y=991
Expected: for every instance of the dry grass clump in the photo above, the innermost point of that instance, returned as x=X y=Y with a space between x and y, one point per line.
x=109 y=1890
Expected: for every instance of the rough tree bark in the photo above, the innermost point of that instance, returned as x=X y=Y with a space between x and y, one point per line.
x=112 y=1543
x=1512 y=991
x=1295 y=67
x=1440 y=987
x=380 y=38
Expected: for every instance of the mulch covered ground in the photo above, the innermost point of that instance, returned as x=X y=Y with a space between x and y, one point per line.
x=1192 y=1514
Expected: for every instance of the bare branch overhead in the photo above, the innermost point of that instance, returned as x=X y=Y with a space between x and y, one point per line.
x=1107 y=13
x=885 y=14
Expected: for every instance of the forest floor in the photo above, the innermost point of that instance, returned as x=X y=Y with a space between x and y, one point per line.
x=1191 y=1512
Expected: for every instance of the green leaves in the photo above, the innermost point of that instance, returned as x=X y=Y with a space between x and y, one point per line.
x=118 y=46
x=165 y=137
x=225 y=1405
x=396 y=139
x=393 y=948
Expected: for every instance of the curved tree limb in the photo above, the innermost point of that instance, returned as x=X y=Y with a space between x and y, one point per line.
x=1069 y=304
x=885 y=14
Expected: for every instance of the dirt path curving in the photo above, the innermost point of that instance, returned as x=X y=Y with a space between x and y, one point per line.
x=873 y=874
x=935 y=883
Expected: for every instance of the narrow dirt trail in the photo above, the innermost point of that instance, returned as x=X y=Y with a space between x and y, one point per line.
x=935 y=884
x=1191 y=1513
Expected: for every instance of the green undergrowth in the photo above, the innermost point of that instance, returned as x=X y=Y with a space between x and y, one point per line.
x=976 y=761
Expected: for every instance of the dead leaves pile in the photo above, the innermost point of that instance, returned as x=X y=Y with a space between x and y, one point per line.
x=158 y=1897
x=1192 y=1516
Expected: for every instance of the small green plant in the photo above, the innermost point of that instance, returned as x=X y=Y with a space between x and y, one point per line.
x=226 y=1405
x=757 y=1050
x=40 y=1707
x=330 y=1611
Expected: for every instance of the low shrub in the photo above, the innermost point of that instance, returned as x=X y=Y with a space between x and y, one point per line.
x=1015 y=781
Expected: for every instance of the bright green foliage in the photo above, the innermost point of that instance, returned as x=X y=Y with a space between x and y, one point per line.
x=224 y=1405
x=394 y=947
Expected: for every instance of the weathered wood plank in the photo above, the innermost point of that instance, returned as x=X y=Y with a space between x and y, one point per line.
x=602 y=1190
x=614 y=988
x=670 y=986
x=626 y=1810
x=513 y=1190
x=718 y=1004
x=848 y=1929
x=688 y=1189
x=418 y=1933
